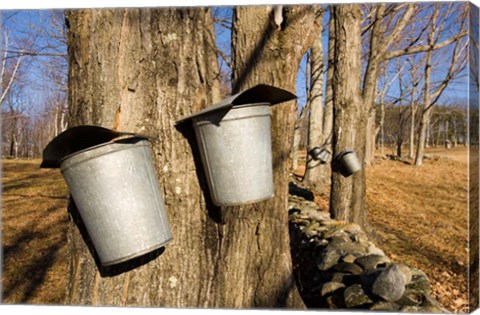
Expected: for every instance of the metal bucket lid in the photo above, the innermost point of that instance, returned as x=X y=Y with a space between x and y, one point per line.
x=342 y=154
x=261 y=93
x=78 y=139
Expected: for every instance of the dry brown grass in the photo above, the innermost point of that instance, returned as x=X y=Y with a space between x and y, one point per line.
x=420 y=215
x=34 y=220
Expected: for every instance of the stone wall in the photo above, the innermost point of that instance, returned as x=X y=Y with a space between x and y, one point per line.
x=338 y=267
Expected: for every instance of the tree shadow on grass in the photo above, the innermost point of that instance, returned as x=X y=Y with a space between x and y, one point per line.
x=31 y=276
x=428 y=254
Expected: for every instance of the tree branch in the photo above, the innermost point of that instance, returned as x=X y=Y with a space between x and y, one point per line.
x=33 y=53
x=12 y=78
x=398 y=28
x=418 y=49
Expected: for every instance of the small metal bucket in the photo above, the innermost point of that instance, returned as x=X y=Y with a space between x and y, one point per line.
x=236 y=152
x=348 y=162
x=322 y=155
x=117 y=194
x=234 y=140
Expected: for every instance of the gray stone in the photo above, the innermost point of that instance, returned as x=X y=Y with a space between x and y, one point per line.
x=385 y=306
x=419 y=284
x=355 y=296
x=309 y=206
x=411 y=298
x=353 y=228
x=347 y=247
x=369 y=277
x=370 y=262
x=411 y=309
x=390 y=284
x=310 y=231
x=330 y=287
x=338 y=277
x=373 y=250
x=335 y=302
x=349 y=258
x=418 y=272
x=433 y=309
x=337 y=236
x=320 y=242
x=347 y=267
x=317 y=215
x=360 y=238
x=328 y=258
x=423 y=309
x=407 y=273
x=331 y=223
x=300 y=221
x=433 y=305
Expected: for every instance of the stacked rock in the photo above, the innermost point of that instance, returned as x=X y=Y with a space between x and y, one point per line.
x=338 y=267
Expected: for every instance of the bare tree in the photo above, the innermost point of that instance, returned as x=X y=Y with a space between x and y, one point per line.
x=352 y=103
x=34 y=56
x=384 y=26
x=382 y=93
x=314 y=174
x=169 y=72
x=320 y=119
x=431 y=94
x=147 y=69
x=415 y=81
x=265 y=51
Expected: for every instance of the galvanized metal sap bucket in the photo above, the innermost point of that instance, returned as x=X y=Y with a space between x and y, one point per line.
x=320 y=154
x=234 y=139
x=116 y=191
x=348 y=162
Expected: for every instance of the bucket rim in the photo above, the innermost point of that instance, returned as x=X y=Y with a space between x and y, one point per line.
x=343 y=153
x=258 y=94
x=202 y=113
x=138 y=253
x=116 y=140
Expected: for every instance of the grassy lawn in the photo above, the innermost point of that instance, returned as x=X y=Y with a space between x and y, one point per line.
x=421 y=217
x=34 y=223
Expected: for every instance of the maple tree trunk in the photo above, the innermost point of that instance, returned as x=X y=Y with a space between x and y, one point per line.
x=350 y=117
x=142 y=70
x=370 y=139
x=264 y=54
x=317 y=174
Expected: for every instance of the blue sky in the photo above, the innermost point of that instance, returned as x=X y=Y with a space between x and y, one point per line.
x=456 y=91
x=17 y=24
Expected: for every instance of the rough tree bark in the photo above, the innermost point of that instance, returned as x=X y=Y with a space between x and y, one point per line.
x=298 y=135
x=413 y=108
x=142 y=70
x=347 y=192
x=371 y=135
x=148 y=68
x=352 y=103
x=263 y=53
